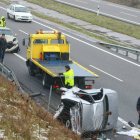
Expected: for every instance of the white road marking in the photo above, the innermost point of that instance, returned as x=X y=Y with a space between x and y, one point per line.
x=24 y=32
x=128 y=14
x=107 y=73
x=124 y=8
x=123 y=121
x=81 y=1
x=20 y=56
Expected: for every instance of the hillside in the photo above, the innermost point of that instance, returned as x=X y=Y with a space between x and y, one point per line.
x=21 y=119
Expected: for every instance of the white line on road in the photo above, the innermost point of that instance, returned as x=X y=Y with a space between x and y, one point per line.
x=124 y=8
x=81 y=1
x=128 y=14
x=24 y=32
x=123 y=121
x=106 y=73
x=20 y=56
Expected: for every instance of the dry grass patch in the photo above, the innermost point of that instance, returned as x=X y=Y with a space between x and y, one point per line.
x=21 y=119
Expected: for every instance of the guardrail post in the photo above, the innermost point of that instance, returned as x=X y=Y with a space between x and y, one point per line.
x=49 y=97
x=116 y=50
x=126 y=53
x=137 y=57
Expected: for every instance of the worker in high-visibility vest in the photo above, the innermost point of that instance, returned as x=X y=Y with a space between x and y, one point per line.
x=69 y=77
x=2 y=22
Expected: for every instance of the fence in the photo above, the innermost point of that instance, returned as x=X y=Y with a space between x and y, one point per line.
x=97 y=12
x=117 y=47
x=10 y=75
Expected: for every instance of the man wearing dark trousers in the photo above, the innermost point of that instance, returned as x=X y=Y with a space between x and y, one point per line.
x=69 y=77
x=138 y=109
x=3 y=46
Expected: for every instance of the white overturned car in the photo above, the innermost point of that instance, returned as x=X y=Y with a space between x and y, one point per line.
x=12 y=42
x=88 y=110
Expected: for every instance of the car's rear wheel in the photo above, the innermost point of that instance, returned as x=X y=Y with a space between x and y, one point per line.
x=8 y=15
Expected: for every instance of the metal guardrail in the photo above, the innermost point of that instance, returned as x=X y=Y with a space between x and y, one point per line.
x=117 y=47
x=97 y=12
x=10 y=75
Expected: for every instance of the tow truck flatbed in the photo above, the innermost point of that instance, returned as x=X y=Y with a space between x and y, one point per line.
x=58 y=66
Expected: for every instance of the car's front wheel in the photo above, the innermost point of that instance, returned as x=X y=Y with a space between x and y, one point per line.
x=14 y=18
x=8 y=15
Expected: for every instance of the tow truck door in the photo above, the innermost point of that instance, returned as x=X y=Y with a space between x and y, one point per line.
x=29 y=49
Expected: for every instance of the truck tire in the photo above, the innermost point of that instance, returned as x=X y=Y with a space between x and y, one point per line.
x=31 y=71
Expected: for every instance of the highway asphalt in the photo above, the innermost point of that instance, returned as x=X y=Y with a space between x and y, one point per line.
x=115 y=71
x=109 y=8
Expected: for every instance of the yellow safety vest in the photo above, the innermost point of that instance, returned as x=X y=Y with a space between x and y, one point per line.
x=2 y=23
x=69 y=77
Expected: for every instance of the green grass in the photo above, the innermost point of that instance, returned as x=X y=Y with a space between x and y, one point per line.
x=6 y=2
x=102 y=21
x=75 y=28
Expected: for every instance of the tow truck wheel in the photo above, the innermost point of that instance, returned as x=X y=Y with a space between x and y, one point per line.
x=31 y=72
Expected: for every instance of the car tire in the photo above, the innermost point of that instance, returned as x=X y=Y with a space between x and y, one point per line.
x=8 y=16
x=30 y=21
x=14 y=18
x=31 y=71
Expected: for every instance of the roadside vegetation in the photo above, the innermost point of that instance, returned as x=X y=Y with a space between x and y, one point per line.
x=130 y=3
x=102 y=21
x=21 y=119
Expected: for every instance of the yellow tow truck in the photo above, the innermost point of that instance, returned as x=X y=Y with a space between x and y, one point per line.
x=48 y=53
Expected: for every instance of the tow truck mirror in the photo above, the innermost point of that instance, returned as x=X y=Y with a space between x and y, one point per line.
x=23 y=42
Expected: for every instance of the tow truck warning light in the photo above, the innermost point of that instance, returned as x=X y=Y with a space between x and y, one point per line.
x=47 y=32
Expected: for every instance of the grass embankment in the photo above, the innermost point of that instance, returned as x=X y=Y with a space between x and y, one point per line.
x=21 y=119
x=130 y=3
x=109 y=23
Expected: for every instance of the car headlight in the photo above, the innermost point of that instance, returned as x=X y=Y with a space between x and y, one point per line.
x=15 y=41
x=17 y=16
